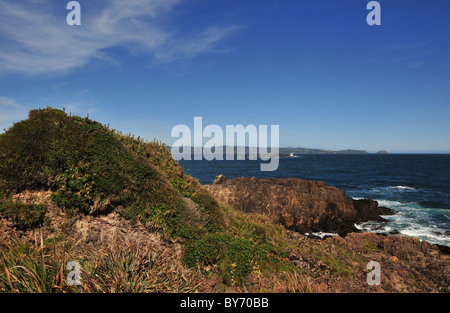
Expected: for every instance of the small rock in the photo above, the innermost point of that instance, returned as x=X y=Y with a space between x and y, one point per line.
x=219 y=179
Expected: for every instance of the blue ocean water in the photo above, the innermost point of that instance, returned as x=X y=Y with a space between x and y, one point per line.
x=416 y=186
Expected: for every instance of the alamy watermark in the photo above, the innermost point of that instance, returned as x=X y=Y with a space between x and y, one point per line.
x=260 y=145
x=74 y=16
x=74 y=276
x=374 y=274
x=374 y=16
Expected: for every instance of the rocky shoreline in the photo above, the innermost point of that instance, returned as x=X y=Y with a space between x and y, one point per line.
x=300 y=205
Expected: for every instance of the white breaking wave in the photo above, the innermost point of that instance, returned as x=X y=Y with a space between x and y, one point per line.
x=410 y=219
x=429 y=234
x=403 y=187
x=389 y=203
x=321 y=234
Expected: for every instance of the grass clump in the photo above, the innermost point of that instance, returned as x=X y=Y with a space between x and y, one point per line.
x=120 y=268
x=135 y=268
x=26 y=268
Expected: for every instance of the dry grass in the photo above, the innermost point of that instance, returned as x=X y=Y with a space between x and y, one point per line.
x=123 y=267
x=136 y=268
x=294 y=282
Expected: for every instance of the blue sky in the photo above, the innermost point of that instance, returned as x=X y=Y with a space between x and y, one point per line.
x=313 y=67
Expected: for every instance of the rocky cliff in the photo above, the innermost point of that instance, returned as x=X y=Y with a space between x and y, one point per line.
x=300 y=205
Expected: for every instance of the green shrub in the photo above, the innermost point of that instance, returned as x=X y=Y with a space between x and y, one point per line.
x=25 y=216
x=207 y=250
x=211 y=209
x=241 y=257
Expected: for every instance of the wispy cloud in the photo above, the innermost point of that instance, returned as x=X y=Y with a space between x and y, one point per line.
x=81 y=108
x=415 y=64
x=11 y=110
x=34 y=39
x=202 y=42
x=59 y=86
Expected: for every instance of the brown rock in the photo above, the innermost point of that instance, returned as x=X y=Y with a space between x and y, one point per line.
x=300 y=205
x=407 y=264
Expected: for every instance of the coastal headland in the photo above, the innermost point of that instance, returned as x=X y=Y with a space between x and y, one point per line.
x=73 y=190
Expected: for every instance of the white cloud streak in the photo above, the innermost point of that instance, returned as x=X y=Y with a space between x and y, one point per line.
x=35 y=40
x=11 y=110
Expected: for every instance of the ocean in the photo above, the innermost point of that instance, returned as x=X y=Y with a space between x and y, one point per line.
x=416 y=186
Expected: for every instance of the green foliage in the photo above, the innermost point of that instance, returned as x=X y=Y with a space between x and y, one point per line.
x=371 y=247
x=24 y=216
x=242 y=247
x=207 y=250
x=241 y=254
x=75 y=192
x=84 y=162
x=160 y=156
x=211 y=209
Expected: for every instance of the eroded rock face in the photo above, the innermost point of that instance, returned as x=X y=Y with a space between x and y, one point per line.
x=301 y=205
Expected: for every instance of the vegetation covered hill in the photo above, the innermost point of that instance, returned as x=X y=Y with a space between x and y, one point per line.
x=92 y=170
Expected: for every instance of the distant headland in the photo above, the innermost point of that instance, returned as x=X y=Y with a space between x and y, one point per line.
x=288 y=151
